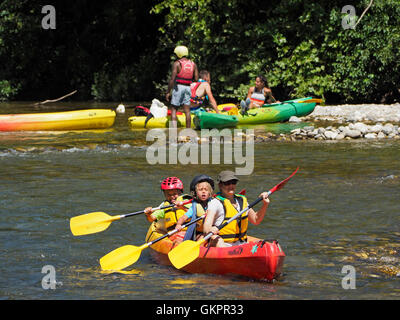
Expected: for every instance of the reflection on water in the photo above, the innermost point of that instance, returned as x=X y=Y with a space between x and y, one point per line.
x=340 y=209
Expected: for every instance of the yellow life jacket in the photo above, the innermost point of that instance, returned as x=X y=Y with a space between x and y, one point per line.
x=173 y=214
x=199 y=212
x=237 y=229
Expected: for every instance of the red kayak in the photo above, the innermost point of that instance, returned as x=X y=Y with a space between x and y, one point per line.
x=257 y=259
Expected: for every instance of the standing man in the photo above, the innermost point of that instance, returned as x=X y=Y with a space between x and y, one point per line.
x=184 y=71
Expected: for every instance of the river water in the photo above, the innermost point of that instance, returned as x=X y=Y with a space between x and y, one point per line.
x=341 y=210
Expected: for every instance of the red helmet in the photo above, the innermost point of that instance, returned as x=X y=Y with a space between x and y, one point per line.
x=171 y=183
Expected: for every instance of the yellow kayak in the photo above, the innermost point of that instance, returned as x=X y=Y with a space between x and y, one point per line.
x=67 y=120
x=137 y=122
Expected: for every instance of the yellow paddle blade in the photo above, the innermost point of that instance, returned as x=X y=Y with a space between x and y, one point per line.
x=185 y=253
x=91 y=223
x=121 y=258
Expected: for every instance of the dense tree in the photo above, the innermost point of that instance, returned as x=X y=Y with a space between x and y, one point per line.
x=122 y=50
x=100 y=48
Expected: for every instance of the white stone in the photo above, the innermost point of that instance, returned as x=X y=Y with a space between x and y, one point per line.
x=376 y=128
x=381 y=135
x=370 y=136
x=363 y=128
x=331 y=135
x=294 y=119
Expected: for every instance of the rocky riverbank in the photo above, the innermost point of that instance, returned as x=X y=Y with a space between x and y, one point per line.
x=346 y=122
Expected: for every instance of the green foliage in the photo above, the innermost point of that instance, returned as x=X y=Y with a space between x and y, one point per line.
x=299 y=45
x=122 y=50
x=7 y=91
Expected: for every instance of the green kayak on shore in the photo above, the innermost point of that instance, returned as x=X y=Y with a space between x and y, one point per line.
x=279 y=112
x=209 y=120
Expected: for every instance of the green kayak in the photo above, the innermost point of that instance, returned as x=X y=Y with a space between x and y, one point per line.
x=208 y=120
x=279 y=112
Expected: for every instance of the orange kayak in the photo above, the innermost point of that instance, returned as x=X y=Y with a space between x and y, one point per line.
x=257 y=259
x=67 y=120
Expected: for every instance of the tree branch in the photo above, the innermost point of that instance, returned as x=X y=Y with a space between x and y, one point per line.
x=55 y=100
x=370 y=4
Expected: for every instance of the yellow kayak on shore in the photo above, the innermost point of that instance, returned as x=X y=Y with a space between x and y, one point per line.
x=53 y=121
x=137 y=122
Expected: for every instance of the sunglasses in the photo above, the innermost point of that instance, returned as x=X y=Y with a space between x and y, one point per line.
x=227 y=183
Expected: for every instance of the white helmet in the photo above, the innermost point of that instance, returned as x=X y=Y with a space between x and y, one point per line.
x=181 y=51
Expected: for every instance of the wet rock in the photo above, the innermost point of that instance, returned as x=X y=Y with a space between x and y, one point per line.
x=354 y=134
x=381 y=135
x=363 y=128
x=294 y=119
x=376 y=128
x=370 y=136
x=340 y=136
x=330 y=135
x=388 y=128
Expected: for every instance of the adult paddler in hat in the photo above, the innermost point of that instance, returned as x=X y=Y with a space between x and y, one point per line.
x=231 y=203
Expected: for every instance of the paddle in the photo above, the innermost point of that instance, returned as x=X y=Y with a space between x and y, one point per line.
x=189 y=250
x=99 y=221
x=310 y=100
x=123 y=257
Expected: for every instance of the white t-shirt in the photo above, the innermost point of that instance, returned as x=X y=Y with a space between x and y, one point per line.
x=216 y=206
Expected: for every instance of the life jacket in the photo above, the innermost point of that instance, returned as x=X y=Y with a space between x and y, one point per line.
x=185 y=76
x=237 y=229
x=141 y=111
x=193 y=88
x=173 y=214
x=198 y=211
x=258 y=96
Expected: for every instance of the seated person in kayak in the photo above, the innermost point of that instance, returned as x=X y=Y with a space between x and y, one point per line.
x=231 y=203
x=201 y=92
x=201 y=188
x=172 y=188
x=258 y=95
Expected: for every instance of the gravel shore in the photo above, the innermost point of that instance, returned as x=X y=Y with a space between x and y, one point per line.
x=344 y=122
x=358 y=113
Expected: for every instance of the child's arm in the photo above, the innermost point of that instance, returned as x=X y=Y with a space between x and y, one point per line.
x=181 y=221
x=148 y=212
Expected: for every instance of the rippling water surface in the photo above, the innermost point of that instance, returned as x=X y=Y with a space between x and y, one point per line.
x=340 y=209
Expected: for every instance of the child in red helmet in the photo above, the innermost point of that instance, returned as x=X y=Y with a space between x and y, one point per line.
x=172 y=188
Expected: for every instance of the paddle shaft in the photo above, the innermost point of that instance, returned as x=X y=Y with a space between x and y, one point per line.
x=154 y=209
x=161 y=208
x=174 y=231
x=276 y=188
x=235 y=216
x=312 y=100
